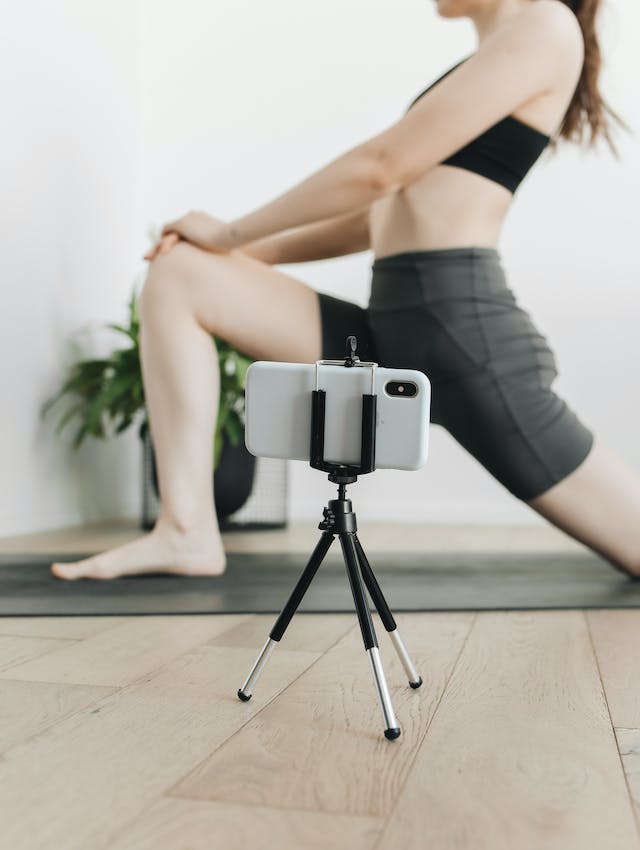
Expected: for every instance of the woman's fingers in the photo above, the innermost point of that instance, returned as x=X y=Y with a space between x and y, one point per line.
x=172 y=227
x=167 y=242
x=152 y=252
x=163 y=246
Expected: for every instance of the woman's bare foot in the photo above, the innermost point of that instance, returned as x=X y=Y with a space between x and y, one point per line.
x=166 y=549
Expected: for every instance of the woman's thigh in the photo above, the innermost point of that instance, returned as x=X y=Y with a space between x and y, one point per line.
x=451 y=314
x=264 y=313
x=341 y=318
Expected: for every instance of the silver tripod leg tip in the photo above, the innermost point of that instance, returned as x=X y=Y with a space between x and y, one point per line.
x=246 y=690
x=392 y=729
x=414 y=679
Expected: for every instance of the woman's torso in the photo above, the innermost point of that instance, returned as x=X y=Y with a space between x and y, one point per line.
x=450 y=207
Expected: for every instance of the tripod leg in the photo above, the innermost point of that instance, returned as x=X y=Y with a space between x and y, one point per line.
x=385 y=614
x=279 y=628
x=392 y=730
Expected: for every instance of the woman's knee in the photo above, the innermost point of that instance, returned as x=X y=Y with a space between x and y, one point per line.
x=169 y=279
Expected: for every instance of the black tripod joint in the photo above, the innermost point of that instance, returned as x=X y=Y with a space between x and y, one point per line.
x=329 y=520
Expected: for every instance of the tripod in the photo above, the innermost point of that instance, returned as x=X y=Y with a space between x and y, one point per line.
x=339 y=519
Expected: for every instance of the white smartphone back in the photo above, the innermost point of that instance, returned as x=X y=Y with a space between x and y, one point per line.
x=278 y=412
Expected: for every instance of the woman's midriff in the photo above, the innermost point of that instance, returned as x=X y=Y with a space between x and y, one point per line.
x=446 y=208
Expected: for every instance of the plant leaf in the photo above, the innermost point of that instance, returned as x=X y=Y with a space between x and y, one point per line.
x=217 y=448
x=71 y=412
x=132 y=333
x=102 y=401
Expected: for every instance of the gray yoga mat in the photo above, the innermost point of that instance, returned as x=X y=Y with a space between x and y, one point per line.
x=261 y=583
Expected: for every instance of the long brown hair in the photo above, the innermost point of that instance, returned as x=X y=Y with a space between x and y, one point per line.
x=588 y=109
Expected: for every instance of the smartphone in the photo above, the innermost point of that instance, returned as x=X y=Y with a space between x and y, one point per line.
x=278 y=412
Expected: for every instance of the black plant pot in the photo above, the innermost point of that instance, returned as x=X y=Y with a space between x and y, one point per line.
x=233 y=478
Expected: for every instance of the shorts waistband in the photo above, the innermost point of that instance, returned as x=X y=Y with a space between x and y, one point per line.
x=426 y=255
x=421 y=278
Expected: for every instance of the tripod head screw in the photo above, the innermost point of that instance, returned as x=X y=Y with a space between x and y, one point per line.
x=352 y=358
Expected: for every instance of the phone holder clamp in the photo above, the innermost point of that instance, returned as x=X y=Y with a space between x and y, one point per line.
x=339 y=519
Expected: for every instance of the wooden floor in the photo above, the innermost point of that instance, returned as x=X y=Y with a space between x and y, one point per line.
x=126 y=732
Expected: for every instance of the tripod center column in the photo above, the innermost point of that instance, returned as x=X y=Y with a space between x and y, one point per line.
x=345 y=518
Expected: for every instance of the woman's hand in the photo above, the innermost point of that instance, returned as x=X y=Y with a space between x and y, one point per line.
x=163 y=246
x=199 y=228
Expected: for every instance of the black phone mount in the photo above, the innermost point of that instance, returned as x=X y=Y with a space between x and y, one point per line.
x=338 y=518
x=342 y=472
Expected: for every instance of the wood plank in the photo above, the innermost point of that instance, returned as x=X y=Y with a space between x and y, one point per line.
x=521 y=752
x=80 y=782
x=203 y=825
x=320 y=746
x=307 y=631
x=58 y=627
x=122 y=654
x=27 y=708
x=613 y=634
x=629 y=748
x=16 y=650
x=615 y=641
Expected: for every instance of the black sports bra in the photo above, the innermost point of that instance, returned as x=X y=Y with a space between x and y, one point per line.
x=504 y=152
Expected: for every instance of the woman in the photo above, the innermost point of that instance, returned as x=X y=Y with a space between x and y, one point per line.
x=428 y=196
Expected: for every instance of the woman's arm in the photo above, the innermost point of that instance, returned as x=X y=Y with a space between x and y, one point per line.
x=341 y=188
x=333 y=237
x=505 y=72
x=533 y=52
x=521 y=59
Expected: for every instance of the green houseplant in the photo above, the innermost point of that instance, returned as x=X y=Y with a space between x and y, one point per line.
x=108 y=394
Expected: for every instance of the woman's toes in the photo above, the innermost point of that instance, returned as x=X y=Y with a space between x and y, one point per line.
x=62 y=570
x=73 y=570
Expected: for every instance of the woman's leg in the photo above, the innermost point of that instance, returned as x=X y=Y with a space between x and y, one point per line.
x=599 y=505
x=451 y=313
x=190 y=294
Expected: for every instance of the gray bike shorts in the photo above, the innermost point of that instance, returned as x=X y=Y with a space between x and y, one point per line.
x=449 y=313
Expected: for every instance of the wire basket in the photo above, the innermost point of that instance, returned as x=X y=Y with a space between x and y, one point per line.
x=265 y=508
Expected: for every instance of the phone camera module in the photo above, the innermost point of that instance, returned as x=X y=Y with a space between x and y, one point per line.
x=400 y=389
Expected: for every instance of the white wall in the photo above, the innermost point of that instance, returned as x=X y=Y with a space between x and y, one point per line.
x=238 y=101
x=70 y=240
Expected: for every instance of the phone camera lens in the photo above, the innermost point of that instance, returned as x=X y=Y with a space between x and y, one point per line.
x=396 y=388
